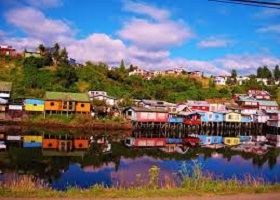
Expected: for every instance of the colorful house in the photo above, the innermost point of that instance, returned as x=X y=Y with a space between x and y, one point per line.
x=246 y=118
x=212 y=117
x=5 y=90
x=3 y=104
x=231 y=141
x=141 y=114
x=175 y=118
x=199 y=105
x=268 y=105
x=232 y=117
x=34 y=105
x=32 y=54
x=259 y=94
x=61 y=102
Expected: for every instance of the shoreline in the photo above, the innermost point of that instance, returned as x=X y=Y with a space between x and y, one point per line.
x=88 y=125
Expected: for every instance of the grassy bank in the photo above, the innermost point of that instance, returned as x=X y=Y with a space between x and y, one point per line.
x=195 y=184
x=75 y=121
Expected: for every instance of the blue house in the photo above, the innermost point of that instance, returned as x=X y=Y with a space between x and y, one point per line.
x=175 y=118
x=212 y=117
x=245 y=138
x=246 y=118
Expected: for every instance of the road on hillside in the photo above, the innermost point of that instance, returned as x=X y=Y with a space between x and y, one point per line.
x=268 y=196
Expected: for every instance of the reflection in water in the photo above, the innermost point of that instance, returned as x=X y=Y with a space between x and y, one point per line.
x=64 y=158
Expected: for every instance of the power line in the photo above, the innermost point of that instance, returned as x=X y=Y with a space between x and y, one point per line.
x=247 y=3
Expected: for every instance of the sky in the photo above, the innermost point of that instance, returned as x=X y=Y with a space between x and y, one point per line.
x=160 y=34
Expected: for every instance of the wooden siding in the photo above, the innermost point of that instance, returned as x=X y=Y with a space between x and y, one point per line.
x=232 y=117
x=57 y=105
x=34 y=107
x=82 y=107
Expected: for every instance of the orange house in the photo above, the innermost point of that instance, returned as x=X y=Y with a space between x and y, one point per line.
x=62 y=102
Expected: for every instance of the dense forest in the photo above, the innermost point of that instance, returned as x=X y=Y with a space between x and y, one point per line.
x=33 y=76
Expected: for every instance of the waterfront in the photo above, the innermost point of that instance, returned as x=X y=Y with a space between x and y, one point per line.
x=119 y=165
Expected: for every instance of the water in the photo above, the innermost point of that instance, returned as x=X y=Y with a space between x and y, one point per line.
x=121 y=165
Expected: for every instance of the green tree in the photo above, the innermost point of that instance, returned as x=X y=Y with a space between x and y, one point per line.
x=122 y=67
x=56 y=52
x=41 y=48
x=276 y=73
x=234 y=73
x=66 y=75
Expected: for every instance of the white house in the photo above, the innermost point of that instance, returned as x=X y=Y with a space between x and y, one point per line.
x=102 y=96
x=242 y=79
x=220 y=80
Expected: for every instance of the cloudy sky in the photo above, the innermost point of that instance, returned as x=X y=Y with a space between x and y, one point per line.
x=160 y=34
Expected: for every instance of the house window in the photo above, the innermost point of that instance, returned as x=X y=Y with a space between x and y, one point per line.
x=129 y=113
x=82 y=105
x=52 y=103
x=230 y=117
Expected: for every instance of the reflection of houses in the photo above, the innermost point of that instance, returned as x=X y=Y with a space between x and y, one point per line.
x=61 y=102
x=193 y=118
x=102 y=96
x=32 y=141
x=141 y=114
x=145 y=142
x=231 y=141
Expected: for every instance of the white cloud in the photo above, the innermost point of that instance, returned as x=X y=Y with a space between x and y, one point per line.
x=214 y=42
x=97 y=47
x=246 y=64
x=270 y=29
x=155 y=35
x=36 y=25
x=267 y=13
x=44 y=3
x=142 y=8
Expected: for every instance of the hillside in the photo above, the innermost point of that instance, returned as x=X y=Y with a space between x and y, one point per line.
x=31 y=77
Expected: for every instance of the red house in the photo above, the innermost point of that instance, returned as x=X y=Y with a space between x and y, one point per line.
x=198 y=105
x=141 y=114
x=259 y=94
x=7 y=50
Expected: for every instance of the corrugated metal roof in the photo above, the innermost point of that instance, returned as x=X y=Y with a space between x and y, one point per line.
x=268 y=103
x=67 y=96
x=143 y=109
x=5 y=86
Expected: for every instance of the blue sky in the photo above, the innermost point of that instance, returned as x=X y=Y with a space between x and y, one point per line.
x=161 y=34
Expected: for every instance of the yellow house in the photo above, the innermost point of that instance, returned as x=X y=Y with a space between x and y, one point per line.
x=231 y=141
x=232 y=117
x=34 y=105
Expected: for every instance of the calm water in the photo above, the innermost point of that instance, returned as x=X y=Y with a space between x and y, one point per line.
x=120 y=166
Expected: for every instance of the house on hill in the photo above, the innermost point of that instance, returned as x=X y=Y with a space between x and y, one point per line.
x=67 y=103
x=5 y=89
